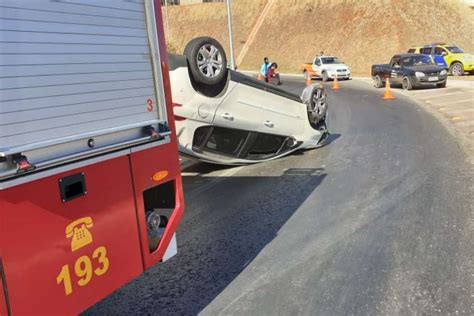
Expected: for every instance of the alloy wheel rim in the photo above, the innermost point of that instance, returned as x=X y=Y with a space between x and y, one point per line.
x=377 y=81
x=457 y=69
x=209 y=60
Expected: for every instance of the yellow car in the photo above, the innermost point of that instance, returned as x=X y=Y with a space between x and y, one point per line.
x=449 y=56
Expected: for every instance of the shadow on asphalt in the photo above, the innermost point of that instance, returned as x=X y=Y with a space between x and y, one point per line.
x=220 y=235
x=331 y=138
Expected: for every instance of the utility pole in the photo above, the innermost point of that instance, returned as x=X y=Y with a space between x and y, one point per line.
x=231 y=36
x=167 y=20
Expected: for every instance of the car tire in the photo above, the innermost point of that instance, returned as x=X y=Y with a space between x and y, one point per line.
x=325 y=76
x=207 y=61
x=456 y=69
x=406 y=84
x=378 y=83
x=441 y=85
x=317 y=106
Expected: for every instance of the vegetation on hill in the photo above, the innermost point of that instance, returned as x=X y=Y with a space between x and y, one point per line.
x=359 y=32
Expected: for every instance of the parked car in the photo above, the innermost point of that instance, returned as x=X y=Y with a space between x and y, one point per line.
x=449 y=56
x=326 y=67
x=410 y=70
x=225 y=117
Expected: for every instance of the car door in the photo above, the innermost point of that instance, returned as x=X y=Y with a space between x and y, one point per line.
x=239 y=110
x=396 y=74
x=317 y=66
x=438 y=56
x=253 y=108
x=281 y=115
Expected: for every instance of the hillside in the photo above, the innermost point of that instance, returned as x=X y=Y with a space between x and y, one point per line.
x=359 y=32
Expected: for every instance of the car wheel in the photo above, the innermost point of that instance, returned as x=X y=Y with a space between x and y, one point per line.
x=406 y=84
x=325 y=76
x=441 y=85
x=378 y=83
x=316 y=106
x=207 y=60
x=456 y=69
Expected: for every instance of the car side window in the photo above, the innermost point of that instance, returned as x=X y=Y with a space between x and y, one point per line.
x=439 y=51
x=426 y=50
x=266 y=146
x=395 y=62
x=220 y=140
x=411 y=51
x=317 y=62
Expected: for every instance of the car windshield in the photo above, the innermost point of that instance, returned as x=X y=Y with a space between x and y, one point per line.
x=417 y=61
x=331 y=60
x=454 y=49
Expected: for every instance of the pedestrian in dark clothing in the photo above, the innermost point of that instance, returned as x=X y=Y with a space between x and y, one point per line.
x=273 y=76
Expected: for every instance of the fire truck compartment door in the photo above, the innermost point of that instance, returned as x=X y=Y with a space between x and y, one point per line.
x=64 y=255
x=77 y=69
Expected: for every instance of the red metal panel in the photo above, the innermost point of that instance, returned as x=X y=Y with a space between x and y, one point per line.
x=100 y=254
x=3 y=305
x=3 y=298
x=163 y=158
x=144 y=165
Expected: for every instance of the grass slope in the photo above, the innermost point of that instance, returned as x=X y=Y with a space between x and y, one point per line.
x=361 y=32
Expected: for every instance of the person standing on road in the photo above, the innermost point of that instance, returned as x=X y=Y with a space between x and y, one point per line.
x=264 y=68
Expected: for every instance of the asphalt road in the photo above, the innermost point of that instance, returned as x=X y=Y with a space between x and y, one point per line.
x=378 y=222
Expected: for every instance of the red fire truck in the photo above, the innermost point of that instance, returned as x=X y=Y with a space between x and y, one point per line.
x=90 y=186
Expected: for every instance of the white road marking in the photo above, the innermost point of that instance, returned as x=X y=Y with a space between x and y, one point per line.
x=459 y=111
x=444 y=94
x=462 y=101
x=416 y=92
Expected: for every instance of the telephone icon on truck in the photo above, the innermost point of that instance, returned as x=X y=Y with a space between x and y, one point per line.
x=79 y=231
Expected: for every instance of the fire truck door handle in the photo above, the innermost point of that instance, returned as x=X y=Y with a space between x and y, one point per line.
x=72 y=187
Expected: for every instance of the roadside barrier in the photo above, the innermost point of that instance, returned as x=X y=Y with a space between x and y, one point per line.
x=308 y=80
x=335 y=84
x=388 y=93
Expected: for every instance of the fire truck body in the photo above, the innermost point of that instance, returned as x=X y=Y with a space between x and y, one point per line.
x=90 y=186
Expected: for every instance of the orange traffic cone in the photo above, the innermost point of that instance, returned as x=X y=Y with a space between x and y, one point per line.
x=388 y=93
x=335 y=84
x=259 y=77
x=308 y=80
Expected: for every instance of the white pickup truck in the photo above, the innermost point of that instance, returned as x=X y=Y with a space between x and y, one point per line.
x=326 y=67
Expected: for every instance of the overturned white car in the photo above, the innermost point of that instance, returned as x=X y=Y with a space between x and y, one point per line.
x=225 y=117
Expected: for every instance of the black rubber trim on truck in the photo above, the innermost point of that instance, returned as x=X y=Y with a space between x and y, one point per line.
x=4 y=286
x=252 y=82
